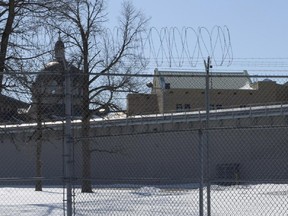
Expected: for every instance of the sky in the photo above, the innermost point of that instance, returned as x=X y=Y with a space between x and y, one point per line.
x=258 y=29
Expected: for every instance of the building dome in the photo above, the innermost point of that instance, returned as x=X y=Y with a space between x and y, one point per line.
x=49 y=86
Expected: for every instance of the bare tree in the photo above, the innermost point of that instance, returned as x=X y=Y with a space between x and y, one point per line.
x=16 y=29
x=19 y=44
x=26 y=85
x=107 y=61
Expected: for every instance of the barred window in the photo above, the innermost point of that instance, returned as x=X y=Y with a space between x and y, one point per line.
x=179 y=107
x=187 y=107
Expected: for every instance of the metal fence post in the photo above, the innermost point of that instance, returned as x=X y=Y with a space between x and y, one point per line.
x=68 y=142
x=201 y=167
x=207 y=103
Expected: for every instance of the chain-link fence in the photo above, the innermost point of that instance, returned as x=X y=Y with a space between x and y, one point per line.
x=188 y=143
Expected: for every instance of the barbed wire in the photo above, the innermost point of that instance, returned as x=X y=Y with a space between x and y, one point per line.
x=186 y=47
x=182 y=48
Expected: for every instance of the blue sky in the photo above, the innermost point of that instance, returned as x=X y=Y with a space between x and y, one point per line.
x=258 y=28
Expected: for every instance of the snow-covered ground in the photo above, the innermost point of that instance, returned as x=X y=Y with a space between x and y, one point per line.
x=263 y=199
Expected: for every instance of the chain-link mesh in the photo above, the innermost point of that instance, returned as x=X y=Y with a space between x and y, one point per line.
x=185 y=144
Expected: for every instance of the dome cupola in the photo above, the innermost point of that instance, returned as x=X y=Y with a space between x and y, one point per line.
x=59 y=50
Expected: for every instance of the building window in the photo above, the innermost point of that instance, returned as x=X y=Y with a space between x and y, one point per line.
x=167 y=85
x=179 y=107
x=218 y=106
x=53 y=87
x=187 y=107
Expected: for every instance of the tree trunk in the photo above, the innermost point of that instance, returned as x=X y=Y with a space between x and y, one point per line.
x=5 y=39
x=38 y=184
x=86 y=152
x=86 y=158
